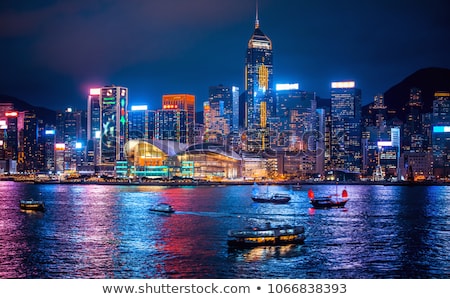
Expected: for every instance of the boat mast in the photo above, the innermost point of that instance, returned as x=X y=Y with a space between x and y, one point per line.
x=337 y=180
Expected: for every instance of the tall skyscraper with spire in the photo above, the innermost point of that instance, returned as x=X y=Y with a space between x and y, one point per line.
x=258 y=78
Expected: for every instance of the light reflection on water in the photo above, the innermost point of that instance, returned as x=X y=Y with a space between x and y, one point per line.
x=94 y=231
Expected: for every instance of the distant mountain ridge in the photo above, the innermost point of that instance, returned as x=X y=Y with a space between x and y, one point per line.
x=429 y=80
x=47 y=115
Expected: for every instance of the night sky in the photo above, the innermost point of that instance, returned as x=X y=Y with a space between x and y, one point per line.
x=52 y=52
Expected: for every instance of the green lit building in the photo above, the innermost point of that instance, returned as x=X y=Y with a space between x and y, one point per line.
x=113 y=120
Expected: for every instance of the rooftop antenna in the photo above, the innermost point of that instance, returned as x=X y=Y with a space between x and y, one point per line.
x=256 y=20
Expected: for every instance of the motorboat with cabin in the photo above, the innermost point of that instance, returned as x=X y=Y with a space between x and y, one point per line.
x=267 y=235
x=162 y=207
x=270 y=197
x=32 y=205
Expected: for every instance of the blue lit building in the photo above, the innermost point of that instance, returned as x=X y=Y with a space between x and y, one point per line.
x=346 y=133
x=71 y=130
x=224 y=102
x=172 y=125
x=93 y=128
x=441 y=151
x=441 y=134
x=49 y=148
x=296 y=110
x=141 y=123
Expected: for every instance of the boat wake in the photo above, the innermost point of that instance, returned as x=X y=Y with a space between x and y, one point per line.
x=208 y=214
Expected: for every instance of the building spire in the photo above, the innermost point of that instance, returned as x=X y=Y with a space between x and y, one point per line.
x=256 y=19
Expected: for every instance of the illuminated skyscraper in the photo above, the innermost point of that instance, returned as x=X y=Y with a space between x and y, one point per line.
x=441 y=108
x=258 y=78
x=171 y=124
x=11 y=140
x=345 y=126
x=414 y=137
x=216 y=125
x=223 y=106
x=441 y=134
x=93 y=113
x=28 y=143
x=182 y=102
x=49 y=148
x=93 y=127
x=296 y=110
x=141 y=123
x=4 y=109
x=113 y=119
x=71 y=130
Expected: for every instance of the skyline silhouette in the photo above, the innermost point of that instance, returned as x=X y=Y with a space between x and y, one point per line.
x=55 y=51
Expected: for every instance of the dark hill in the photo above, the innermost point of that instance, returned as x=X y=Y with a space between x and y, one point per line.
x=429 y=80
x=47 y=115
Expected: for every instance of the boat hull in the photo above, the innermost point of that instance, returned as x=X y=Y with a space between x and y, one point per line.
x=163 y=211
x=162 y=208
x=32 y=206
x=327 y=203
x=250 y=243
x=277 y=198
x=266 y=236
x=271 y=200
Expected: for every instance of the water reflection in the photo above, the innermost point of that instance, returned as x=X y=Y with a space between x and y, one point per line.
x=91 y=231
x=261 y=253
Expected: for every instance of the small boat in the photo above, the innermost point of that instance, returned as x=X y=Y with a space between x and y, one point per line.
x=162 y=207
x=297 y=187
x=279 y=198
x=268 y=235
x=32 y=205
x=270 y=197
x=331 y=201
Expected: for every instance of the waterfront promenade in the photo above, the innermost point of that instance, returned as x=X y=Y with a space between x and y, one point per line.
x=193 y=182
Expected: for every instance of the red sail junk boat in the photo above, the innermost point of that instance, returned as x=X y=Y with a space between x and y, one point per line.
x=332 y=201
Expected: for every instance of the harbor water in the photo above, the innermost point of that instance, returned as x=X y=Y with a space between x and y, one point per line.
x=108 y=231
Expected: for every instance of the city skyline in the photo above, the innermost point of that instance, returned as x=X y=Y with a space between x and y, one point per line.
x=55 y=52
